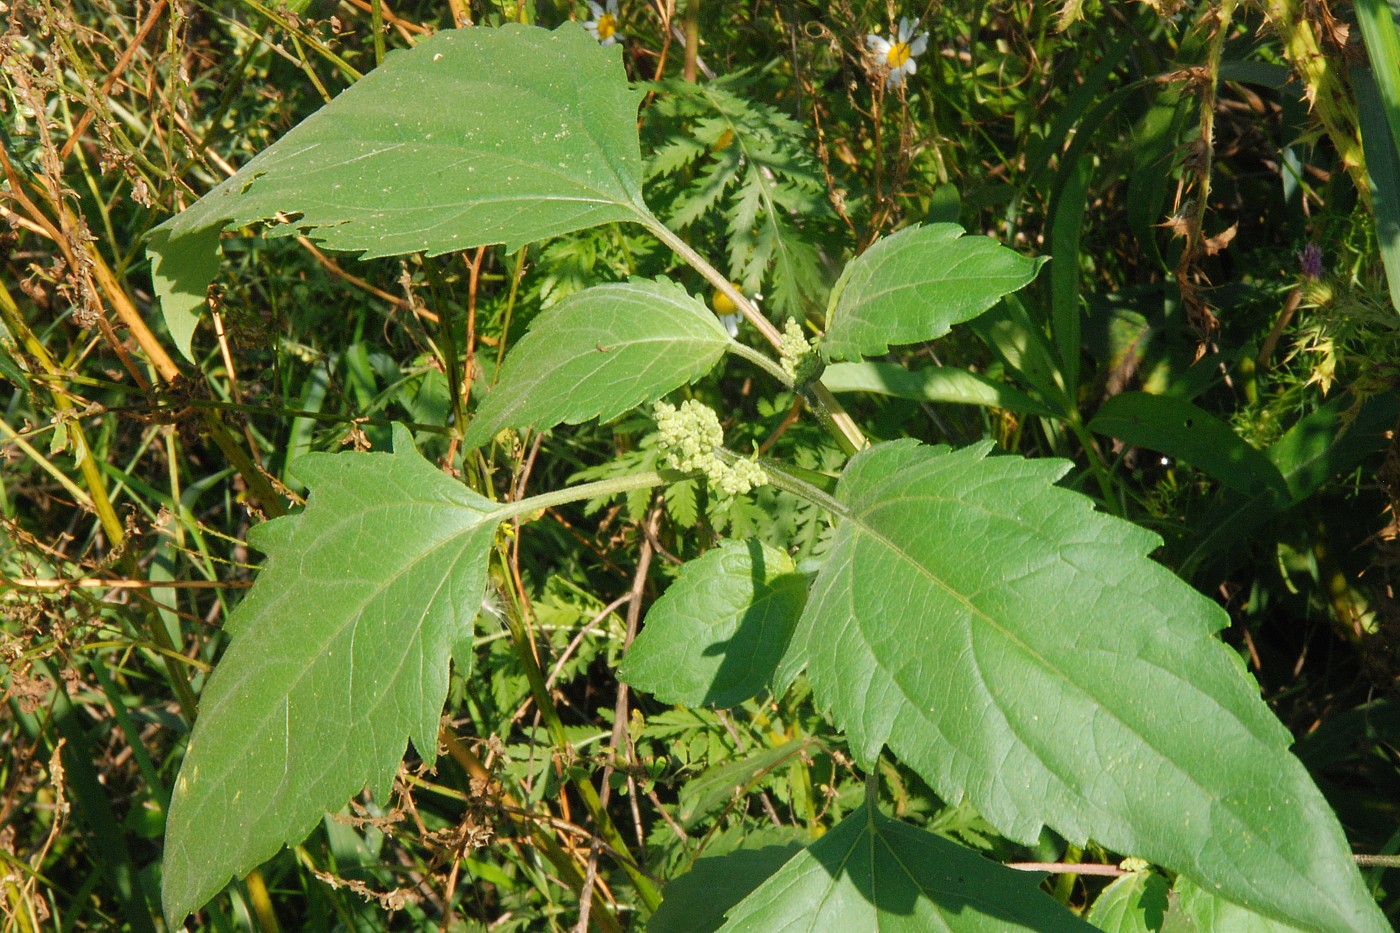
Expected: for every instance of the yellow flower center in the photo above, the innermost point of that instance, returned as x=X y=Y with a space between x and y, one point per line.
x=897 y=57
x=607 y=25
x=722 y=303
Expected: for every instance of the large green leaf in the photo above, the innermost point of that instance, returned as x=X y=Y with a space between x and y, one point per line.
x=1195 y=910
x=874 y=873
x=1017 y=648
x=472 y=137
x=339 y=655
x=915 y=285
x=716 y=636
x=601 y=352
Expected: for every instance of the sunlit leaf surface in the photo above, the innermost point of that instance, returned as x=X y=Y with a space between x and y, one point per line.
x=875 y=873
x=599 y=353
x=338 y=656
x=472 y=137
x=915 y=285
x=716 y=635
x=1016 y=647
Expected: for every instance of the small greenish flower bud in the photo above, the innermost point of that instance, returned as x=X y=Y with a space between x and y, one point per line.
x=798 y=356
x=740 y=477
x=691 y=438
x=689 y=435
x=1134 y=864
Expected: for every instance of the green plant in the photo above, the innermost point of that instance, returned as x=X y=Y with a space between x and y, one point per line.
x=986 y=628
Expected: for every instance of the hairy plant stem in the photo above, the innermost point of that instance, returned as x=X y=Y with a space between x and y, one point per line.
x=762 y=362
x=783 y=477
x=601 y=489
x=1324 y=83
x=844 y=428
x=780 y=476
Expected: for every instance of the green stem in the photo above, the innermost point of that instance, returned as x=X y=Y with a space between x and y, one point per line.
x=761 y=361
x=1096 y=464
x=448 y=354
x=872 y=790
x=544 y=702
x=376 y=10
x=783 y=477
x=844 y=428
x=779 y=476
x=712 y=275
x=602 y=489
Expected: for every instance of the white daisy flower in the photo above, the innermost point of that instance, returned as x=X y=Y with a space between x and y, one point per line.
x=897 y=57
x=728 y=313
x=603 y=25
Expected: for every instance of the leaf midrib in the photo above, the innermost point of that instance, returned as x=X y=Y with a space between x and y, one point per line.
x=856 y=518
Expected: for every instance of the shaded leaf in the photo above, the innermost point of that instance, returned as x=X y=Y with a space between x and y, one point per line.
x=1015 y=647
x=1381 y=148
x=733 y=778
x=1331 y=440
x=512 y=135
x=1176 y=427
x=874 y=873
x=1009 y=331
x=697 y=901
x=930 y=384
x=10 y=368
x=1135 y=903
x=181 y=270
x=915 y=285
x=601 y=352
x=716 y=635
x=1197 y=911
x=339 y=656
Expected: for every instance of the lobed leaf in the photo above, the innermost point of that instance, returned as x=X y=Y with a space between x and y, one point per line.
x=339 y=656
x=874 y=873
x=470 y=138
x=1015 y=647
x=915 y=285
x=599 y=353
x=716 y=635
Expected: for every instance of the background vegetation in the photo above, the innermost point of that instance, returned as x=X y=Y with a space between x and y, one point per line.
x=1195 y=169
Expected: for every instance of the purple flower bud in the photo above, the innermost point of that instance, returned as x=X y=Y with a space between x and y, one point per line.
x=1310 y=261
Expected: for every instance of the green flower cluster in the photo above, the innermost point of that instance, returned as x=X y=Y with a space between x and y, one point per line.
x=692 y=439
x=798 y=355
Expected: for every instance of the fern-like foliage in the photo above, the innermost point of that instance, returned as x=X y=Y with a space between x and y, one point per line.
x=725 y=164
